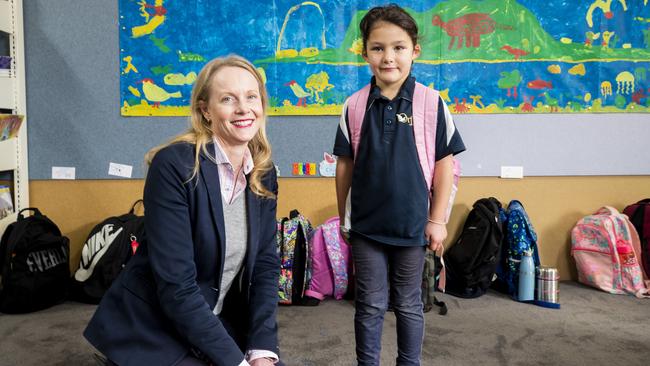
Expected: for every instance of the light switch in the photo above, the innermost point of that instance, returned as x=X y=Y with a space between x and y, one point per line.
x=120 y=170
x=63 y=172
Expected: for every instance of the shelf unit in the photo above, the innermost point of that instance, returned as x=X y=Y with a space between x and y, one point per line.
x=13 y=152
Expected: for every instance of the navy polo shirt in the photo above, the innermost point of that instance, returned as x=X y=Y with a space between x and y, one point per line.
x=389 y=195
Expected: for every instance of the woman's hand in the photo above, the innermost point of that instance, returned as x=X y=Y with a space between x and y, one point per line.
x=435 y=233
x=263 y=361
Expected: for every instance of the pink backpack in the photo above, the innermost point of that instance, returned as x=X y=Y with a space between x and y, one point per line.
x=425 y=123
x=606 y=250
x=330 y=262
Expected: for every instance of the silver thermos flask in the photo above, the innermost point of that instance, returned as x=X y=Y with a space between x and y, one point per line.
x=547 y=291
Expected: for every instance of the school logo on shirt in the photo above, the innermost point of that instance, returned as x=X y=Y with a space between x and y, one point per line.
x=403 y=118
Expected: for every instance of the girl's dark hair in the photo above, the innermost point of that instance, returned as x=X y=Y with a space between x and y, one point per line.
x=391 y=13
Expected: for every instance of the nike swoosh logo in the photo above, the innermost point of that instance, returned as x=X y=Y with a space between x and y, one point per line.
x=82 y=273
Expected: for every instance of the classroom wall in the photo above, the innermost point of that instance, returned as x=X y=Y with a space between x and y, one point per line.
x=73 y=85
x=554 y=204
x=72 y=52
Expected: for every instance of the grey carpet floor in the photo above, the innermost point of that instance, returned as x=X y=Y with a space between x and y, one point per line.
x=591 y=328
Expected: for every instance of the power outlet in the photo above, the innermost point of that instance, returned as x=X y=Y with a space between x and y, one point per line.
x=512 y=172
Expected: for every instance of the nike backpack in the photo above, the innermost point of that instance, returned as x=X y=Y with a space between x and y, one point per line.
x=108 y=248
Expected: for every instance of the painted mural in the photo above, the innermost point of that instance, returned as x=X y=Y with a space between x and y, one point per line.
x=485 y=56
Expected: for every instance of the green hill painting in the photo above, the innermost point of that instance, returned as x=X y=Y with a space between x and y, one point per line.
x=485 y=56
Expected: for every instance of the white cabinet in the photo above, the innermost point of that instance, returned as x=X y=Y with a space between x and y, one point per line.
x=13 y=152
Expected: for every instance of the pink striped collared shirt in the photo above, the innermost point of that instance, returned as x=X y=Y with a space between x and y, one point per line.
x=231 y=186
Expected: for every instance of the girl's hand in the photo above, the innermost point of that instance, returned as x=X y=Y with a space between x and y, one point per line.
x=436 y=235
x=345 y=234
x=263 y=361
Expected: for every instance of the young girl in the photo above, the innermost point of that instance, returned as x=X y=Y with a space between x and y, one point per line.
x=394 y=213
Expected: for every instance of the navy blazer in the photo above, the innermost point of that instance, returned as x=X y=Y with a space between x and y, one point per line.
x=161 y=304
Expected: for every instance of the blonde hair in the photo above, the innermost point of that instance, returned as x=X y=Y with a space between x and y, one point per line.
x=200 y=131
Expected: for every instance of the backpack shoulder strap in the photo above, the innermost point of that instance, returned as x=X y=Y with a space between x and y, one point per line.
x=139 y=201
x=636 y=247
x=442 y=281
x=305 y=225
x=624 y=233
x=529 y=224
x=356 y=110
x=515 y=207
x=425 y=123
x=5 y=250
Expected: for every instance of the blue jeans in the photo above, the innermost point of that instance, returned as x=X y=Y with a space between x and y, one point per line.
x=375 y=265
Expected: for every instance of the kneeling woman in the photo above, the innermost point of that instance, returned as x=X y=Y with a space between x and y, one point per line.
x=202 y=287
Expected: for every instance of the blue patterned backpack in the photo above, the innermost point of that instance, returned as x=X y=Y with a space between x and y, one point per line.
x=292 y=240
x=519 y=237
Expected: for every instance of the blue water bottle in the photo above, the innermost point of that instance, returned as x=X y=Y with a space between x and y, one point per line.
x=526 y=277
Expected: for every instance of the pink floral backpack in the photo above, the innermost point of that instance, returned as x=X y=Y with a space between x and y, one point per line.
x=330 y=262
x=606 y=250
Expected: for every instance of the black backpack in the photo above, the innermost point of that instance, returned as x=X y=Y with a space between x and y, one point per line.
x=108 y=248
x=35 y=265
x=471 y=262
x=639 y=214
